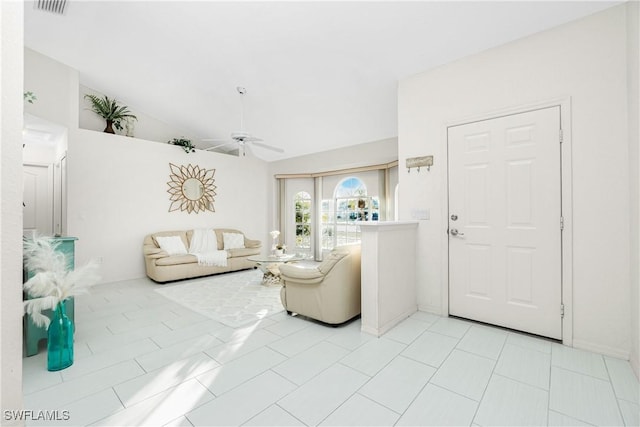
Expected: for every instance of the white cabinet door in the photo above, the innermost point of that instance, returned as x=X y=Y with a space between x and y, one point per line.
x=505 y=259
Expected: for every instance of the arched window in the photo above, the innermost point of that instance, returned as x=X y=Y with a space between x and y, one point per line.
x=341 y=215
x=350 y=187
x=302 y=202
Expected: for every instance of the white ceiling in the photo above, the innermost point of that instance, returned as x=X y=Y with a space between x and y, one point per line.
x=319 y=75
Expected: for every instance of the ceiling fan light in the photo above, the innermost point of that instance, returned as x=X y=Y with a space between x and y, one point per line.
x=240 y=135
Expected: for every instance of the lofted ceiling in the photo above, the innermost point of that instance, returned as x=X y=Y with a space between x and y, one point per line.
x=319 y=75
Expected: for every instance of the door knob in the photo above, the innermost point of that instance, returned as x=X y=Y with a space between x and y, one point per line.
x=455 y=232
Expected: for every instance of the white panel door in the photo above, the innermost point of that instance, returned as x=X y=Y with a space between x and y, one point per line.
x=37 y=212
x=504 y=221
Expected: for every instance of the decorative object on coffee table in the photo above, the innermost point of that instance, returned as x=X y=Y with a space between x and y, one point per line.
x=108 y=109
x=269 y=265
x=280 y=248
x=51 y=285
x=274 y=236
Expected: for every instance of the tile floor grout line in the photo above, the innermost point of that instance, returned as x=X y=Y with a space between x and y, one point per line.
x=416 y=397
x=215 y=396
x=93 y=372
x=524 y=346
x=519 y=381
x=581 y=373
x=276 y=404
x=476 y=354
x=378 y=403
x=574 y=417
x=484 y=392
x=549 y=383
x=613 y=389
x=239 y=384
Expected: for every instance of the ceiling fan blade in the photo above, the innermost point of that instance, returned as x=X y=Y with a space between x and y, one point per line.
x=251 y=138
x=268 y=147
x=213 y=140
x=218 y=146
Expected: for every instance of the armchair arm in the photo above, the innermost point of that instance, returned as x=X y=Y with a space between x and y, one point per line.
x=300 y=275
x=248 y=243
x=154 y=252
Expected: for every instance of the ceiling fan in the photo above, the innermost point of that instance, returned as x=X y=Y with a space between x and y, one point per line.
x=241 y=138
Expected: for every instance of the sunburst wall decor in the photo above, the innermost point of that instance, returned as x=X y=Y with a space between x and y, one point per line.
x=191 y=188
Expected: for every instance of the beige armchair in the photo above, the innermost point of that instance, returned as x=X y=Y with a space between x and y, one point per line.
x=330 y=292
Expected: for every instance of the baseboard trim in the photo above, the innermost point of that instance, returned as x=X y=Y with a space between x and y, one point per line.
x=383 y=329
x=431 y=309
x=601 y=349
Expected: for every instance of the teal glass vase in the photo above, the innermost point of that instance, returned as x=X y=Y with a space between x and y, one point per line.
x=60 y=340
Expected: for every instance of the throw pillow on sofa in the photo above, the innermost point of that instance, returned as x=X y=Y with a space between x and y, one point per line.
x=233 y=240
x=172 y=245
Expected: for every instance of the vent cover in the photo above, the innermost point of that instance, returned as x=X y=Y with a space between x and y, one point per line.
x=53 y=6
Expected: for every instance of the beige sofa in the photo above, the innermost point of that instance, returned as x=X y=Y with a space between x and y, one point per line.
x=329 y=292
x=162 y=268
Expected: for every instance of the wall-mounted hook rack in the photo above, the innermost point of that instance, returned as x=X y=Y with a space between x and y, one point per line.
x=417 y=162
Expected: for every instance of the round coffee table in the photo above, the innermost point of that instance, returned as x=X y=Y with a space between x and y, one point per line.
x=268 y=264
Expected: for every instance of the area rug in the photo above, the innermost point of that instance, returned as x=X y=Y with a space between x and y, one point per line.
x=233 y=299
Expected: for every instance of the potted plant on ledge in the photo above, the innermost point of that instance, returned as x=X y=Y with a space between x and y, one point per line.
x=186 y=144
x=108 y=109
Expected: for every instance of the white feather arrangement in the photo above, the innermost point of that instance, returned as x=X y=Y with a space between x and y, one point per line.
x=52 y=283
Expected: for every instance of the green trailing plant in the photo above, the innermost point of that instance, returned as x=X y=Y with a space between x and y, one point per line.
x=29 y=97
x=186 y=144
x=108 y=109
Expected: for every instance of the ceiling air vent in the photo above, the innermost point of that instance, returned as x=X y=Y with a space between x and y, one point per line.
x=53 y=6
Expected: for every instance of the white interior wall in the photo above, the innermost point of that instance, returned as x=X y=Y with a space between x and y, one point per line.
x=586 y=61
x=633 y=77
x=146 y=127
x=117 y=194
x=11 y=88
x=39 y=154
x=370 y=153
x=117 y=185
x=55 y=86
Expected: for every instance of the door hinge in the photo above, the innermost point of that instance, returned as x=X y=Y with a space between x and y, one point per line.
x=562 y=310
x=561 y=137
x=561 y=223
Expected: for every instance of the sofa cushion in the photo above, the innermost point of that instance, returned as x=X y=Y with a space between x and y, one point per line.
x=233 y=241
x=177 y=259
x=182 y=234
x=219 y=235
x=173 y=245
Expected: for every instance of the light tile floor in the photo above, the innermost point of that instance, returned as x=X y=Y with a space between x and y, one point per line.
x=144 y=360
